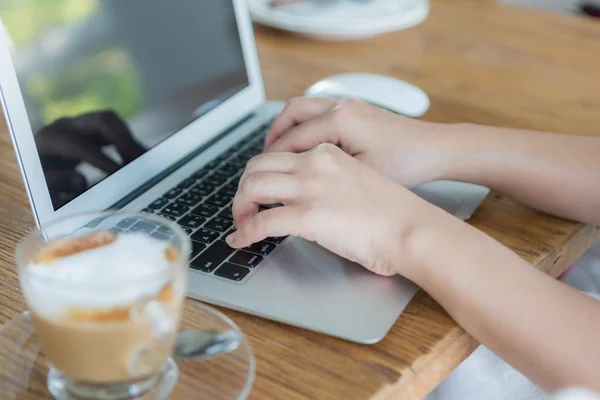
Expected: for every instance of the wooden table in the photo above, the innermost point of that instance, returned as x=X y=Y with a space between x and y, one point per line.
x=479 y=61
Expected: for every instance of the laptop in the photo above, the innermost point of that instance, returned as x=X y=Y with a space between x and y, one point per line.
x=156 y=106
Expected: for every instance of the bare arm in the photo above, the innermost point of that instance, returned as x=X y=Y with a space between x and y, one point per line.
x=542 y=327
x=558 y=174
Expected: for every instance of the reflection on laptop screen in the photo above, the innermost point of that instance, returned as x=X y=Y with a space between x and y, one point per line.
x=106 y=80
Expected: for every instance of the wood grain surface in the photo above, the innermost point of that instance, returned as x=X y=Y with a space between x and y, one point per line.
x=479 y=61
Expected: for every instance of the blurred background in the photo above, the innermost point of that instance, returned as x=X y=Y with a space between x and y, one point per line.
x=570 y=6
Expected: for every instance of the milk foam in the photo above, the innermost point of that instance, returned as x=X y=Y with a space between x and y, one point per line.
x=131 y=268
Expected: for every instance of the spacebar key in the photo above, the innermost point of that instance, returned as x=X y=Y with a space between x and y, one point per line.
x=212 y=257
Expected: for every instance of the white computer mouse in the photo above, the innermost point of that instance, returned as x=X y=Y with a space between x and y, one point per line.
x=383 y=91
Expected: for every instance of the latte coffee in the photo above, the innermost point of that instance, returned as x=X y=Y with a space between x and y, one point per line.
x=105 y=307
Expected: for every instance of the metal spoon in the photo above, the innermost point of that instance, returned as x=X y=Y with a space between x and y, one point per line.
x=202 y=344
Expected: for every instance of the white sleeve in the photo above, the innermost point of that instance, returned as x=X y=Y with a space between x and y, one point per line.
x=575 y=394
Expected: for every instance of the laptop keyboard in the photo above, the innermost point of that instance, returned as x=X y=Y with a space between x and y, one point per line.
x=201 y=205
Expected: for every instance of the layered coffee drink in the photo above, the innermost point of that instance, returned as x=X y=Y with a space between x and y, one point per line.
x=105 y=306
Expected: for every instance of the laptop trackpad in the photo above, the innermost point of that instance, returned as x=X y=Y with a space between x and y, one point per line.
x=331 y=294
x=457 y=198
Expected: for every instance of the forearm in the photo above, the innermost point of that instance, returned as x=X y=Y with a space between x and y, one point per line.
x=543 y=328
x=558 y=174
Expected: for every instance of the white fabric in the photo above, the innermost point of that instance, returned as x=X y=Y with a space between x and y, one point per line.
x=575 y=394
x=484 y=376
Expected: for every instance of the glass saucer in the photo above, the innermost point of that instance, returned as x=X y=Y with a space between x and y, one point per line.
x=24 y=369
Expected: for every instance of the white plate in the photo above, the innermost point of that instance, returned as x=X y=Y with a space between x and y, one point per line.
x=341 y=20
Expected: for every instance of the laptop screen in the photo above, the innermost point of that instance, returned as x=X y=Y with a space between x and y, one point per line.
x=106 y=80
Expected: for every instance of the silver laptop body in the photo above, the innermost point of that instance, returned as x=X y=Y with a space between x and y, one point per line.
x=154 y=105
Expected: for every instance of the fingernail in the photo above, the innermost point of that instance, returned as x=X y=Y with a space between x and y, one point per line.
x=229 y=239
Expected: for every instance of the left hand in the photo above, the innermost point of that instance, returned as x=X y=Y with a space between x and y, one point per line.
x=401 y=148
x=332 y=199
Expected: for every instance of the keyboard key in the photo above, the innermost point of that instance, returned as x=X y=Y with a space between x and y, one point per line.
x=189 y=231
x=142 y=226
x=186 y=183
x=262 y=248
x=219 y=224
x=251 y=152
x=212 y=257
x=189 y=199
x=172 y=218
x=239 y=162
x=191 y=221
x=232 y=271
x=165 y=230
x=171 y=194
x=238 y=146
x=216 y=180
x=213 y=164
x=226 y=213
x=201 y=173
x=203 y=189
x=160 y=236
x=175 y=209
x=218 y=200
x=115 y=231
x=246 y=259
x=238 y=172
x=148 y=210
x=197 y=248
x=228 y=170
x=221 y=173
x=232 y=186
x=158 y=203
x=126 y=223
x=205 y=236
x=257 y=147
x=275 y=240
x=205 y=210
x=243 y=158
x=229 y=190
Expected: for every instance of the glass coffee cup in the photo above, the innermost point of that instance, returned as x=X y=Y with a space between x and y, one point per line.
x=106 y=292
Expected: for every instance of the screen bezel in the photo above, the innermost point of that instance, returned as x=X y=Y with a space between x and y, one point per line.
x=113 y=188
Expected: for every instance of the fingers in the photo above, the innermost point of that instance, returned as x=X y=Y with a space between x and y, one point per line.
x=272 y=162
x=282 y=221
x=297 y=111
x=306 y=136
x=263 y=188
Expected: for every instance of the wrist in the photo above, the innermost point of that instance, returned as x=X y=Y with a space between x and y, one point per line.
x=416 y=230
x=440 y=148
x=449 y=150
x=430 y=241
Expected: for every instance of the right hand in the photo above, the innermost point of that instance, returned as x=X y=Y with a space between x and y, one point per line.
x=336 y=201
x=398 y=147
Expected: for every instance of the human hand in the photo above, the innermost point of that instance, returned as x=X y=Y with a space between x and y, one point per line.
x=400 y=148
x=334 y=200
x=67 y=142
